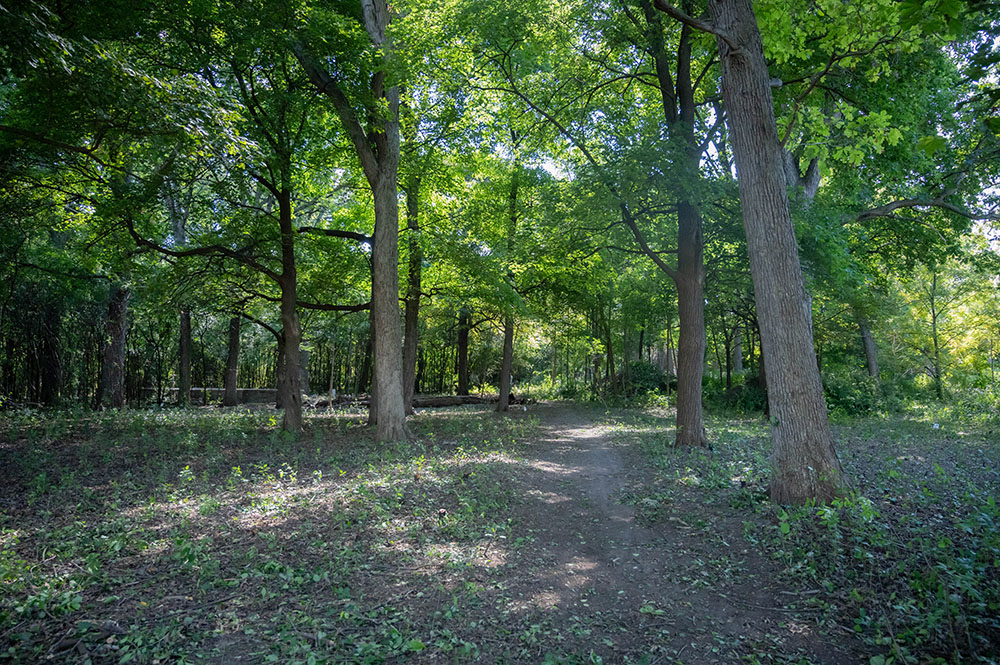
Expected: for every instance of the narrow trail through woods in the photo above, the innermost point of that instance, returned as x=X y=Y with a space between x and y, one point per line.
x=689 y=581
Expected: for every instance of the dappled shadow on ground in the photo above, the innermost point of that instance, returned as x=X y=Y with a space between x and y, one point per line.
x=488 y=538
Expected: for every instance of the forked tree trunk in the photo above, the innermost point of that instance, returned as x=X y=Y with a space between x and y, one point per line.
x=508 y=360
x=377 y=147
x=805 y=465
x=679 y=112
x=411 y=317
x=230 y=396
x=184 y=359
x=463 y=351
x=113 y=367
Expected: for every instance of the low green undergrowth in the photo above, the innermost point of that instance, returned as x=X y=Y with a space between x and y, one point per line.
x=173 y=536
x=908 y=559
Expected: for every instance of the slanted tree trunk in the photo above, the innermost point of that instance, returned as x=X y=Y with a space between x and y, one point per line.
x=805 y=464
x=463 y=350
x=113 y=366
x=508 y=360
x=868 y=342
x=230 y=396
x=411 y=317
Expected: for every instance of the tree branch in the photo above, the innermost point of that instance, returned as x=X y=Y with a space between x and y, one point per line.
x=329 y=86
x=336 y=233
x=695 y=23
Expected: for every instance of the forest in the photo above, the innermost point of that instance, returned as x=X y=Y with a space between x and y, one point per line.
x=441 y=331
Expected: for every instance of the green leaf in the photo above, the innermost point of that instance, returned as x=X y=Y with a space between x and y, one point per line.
x=931 y=144
x=415 y=645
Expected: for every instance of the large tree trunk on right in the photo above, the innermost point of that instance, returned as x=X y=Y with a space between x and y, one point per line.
x=230 y=396
x=463 y=351
x=805 y=464
x=508 y=360
x=113 y=367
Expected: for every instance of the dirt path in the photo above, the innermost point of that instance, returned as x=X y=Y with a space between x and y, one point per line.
x=688 y=588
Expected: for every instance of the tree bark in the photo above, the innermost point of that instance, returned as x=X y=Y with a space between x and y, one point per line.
x=184 y=359
x=411 y=317
x=691 y=337
x=938 y=387
x=51 y=367
x=805 y=465
x=279 y=373
x=679 y=113
x=508 y=360
x=738 y=351
x=868 y=342
x=463 y=350
x=377 y=147
x=290 y=385
x=113 y=367
x=230 y=396
x=508 y=320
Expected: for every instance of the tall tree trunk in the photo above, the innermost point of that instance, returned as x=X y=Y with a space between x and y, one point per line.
x=463 y=350
x=230 y=396
x=178 y=220
x=291 y=384
x=184 y=359
x=52 y=371
x=377 y=147
x=508 y=320
x=373 y=379
x=691 y=316
x=279 y=373
x=411 y=317
x=938 y=388
x=363 y=376
x=113 y=367
x=738 y=351
x=805 y=464
x=508 y=361
x=679 y=113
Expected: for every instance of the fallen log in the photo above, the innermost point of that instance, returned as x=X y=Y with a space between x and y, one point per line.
x=419 y=402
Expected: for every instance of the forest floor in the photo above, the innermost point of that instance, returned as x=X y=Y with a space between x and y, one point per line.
x=563 y=533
